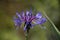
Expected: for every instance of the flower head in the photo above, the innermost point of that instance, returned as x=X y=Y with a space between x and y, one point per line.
x=28 y=18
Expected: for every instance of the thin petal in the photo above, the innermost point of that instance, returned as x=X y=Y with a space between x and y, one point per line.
x=25 y=28
x=27 y=13
x=39 y=21
x=43 y=20
x=18 y=14
x=38 y=15
x=23 y=16
x=17 y=21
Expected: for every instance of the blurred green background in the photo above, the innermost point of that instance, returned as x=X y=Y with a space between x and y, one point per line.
x=8 y=9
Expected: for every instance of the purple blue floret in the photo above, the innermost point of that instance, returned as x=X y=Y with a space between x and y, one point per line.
x=28 y=19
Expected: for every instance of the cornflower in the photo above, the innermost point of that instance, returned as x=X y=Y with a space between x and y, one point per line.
x=28 y=19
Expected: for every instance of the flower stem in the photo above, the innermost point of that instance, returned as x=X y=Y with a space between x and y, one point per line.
x=26 y=35
x=27 y=29
x=52 y=23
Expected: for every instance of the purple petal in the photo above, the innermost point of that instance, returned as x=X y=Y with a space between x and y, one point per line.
x=25 y=28
x=43 y=20
x=23 y=16
x=40 y=21
x=38 y=15
x=18 y=14
x=17 y=21
x=28 y=15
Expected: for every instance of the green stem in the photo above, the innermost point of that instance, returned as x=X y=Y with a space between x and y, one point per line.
x=52 y=23
x=26 y=35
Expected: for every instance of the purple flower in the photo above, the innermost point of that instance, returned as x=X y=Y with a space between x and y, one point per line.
x=28 y=19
